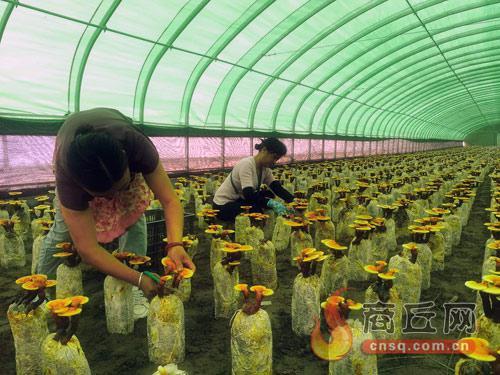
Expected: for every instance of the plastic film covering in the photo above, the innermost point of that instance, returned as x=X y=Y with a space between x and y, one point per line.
x=172 y=151
x=316 y=149
x=301 y=149
x=350 y=149
x=288 y=158
x=329 y=149
x=205 y=153
x=381 y=69
x=236 y=149
x=340 y=149
x=26 y=161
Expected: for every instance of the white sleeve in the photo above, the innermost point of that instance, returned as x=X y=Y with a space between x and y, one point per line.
x=268 y=177
x=245 y=174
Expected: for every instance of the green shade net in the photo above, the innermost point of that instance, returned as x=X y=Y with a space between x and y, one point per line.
x=412 y=69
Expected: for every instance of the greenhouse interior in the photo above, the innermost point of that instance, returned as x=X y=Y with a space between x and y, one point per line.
x=250 y=187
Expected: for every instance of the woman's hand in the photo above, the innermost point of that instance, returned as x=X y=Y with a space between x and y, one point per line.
x=149 y=287
x=181 y=258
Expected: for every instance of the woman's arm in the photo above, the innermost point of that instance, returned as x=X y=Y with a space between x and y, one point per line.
x=280 y=191
x=81 y=227
x=161 y=186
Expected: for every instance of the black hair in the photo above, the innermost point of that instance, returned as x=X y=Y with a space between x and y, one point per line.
x=96 y=160
x=273 y=145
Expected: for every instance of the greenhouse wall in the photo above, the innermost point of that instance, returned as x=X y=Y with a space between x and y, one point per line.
x=484 y=138
x=26 y=161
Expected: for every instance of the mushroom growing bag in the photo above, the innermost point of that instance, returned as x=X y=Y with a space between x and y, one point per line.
x=424 y=259
x=359 y=255
x=334 y=275
x=225 y=296
x=270 y=224
x=29 y=331
x=192 y=250
x=489 y=330
x=456 y=228
x=380 y=249
x=324 y=230
x=263 y=264
x=436 y=244
x=390 y=234
x=241 y=223
x=69 y=281
x=281 y=234
x=23 y=227
x=12 y=253
x=66 y=359
x=251 y=344
x=306 y=304
x=119 y=305
x=409 y=278
x=216 y=252
x=356 y=362
x=35 y=251
x=299 y=240
x=372 y=297
x=166 y=340
x=254 y=237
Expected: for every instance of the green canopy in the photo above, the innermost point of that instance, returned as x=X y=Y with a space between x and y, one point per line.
x=413 y=69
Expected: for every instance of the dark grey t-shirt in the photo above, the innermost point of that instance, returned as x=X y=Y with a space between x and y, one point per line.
x=142 y=154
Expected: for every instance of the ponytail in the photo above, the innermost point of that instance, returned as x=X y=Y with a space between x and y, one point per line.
x=272 y=145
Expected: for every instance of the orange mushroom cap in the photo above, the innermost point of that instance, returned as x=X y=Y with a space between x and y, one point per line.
x=494 y=245
x=139 y=259
x=477 y=348
x=64 y=245
x=58 y=304
x=241 y=287
x=410 y=246
x=62 y=254
x=168 y=263
x=29 y=278
x=262 y=289
x=332 y=244
x=78 y=300
x=70 y=312
x=389 y=275
x=186 y=273
x=233 y=247
x=352 y=305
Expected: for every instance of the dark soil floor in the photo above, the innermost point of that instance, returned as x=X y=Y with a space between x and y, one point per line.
x=208 y=342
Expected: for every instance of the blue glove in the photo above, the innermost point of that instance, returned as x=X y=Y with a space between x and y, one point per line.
x=278 y=207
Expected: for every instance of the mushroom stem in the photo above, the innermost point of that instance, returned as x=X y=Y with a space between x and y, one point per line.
x=73 y=326
x=487 y=307
x=414 y=255
x=357 y=238
x=382 y=288
x=344 y=311
x=313 y=268
x=337 y=254
x=41 y=298
x=62 y=324
x=73 y=260
x=250 y=307
x=495 y=308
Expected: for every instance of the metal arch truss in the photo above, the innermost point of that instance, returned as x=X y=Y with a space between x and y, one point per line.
x=423 y=62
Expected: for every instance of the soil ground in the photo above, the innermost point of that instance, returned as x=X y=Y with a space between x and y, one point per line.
x=208 y=341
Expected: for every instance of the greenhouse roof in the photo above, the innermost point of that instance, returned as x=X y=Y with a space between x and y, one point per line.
x=415 y=69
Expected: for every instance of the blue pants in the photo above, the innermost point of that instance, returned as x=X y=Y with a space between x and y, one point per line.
x=134 y=240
